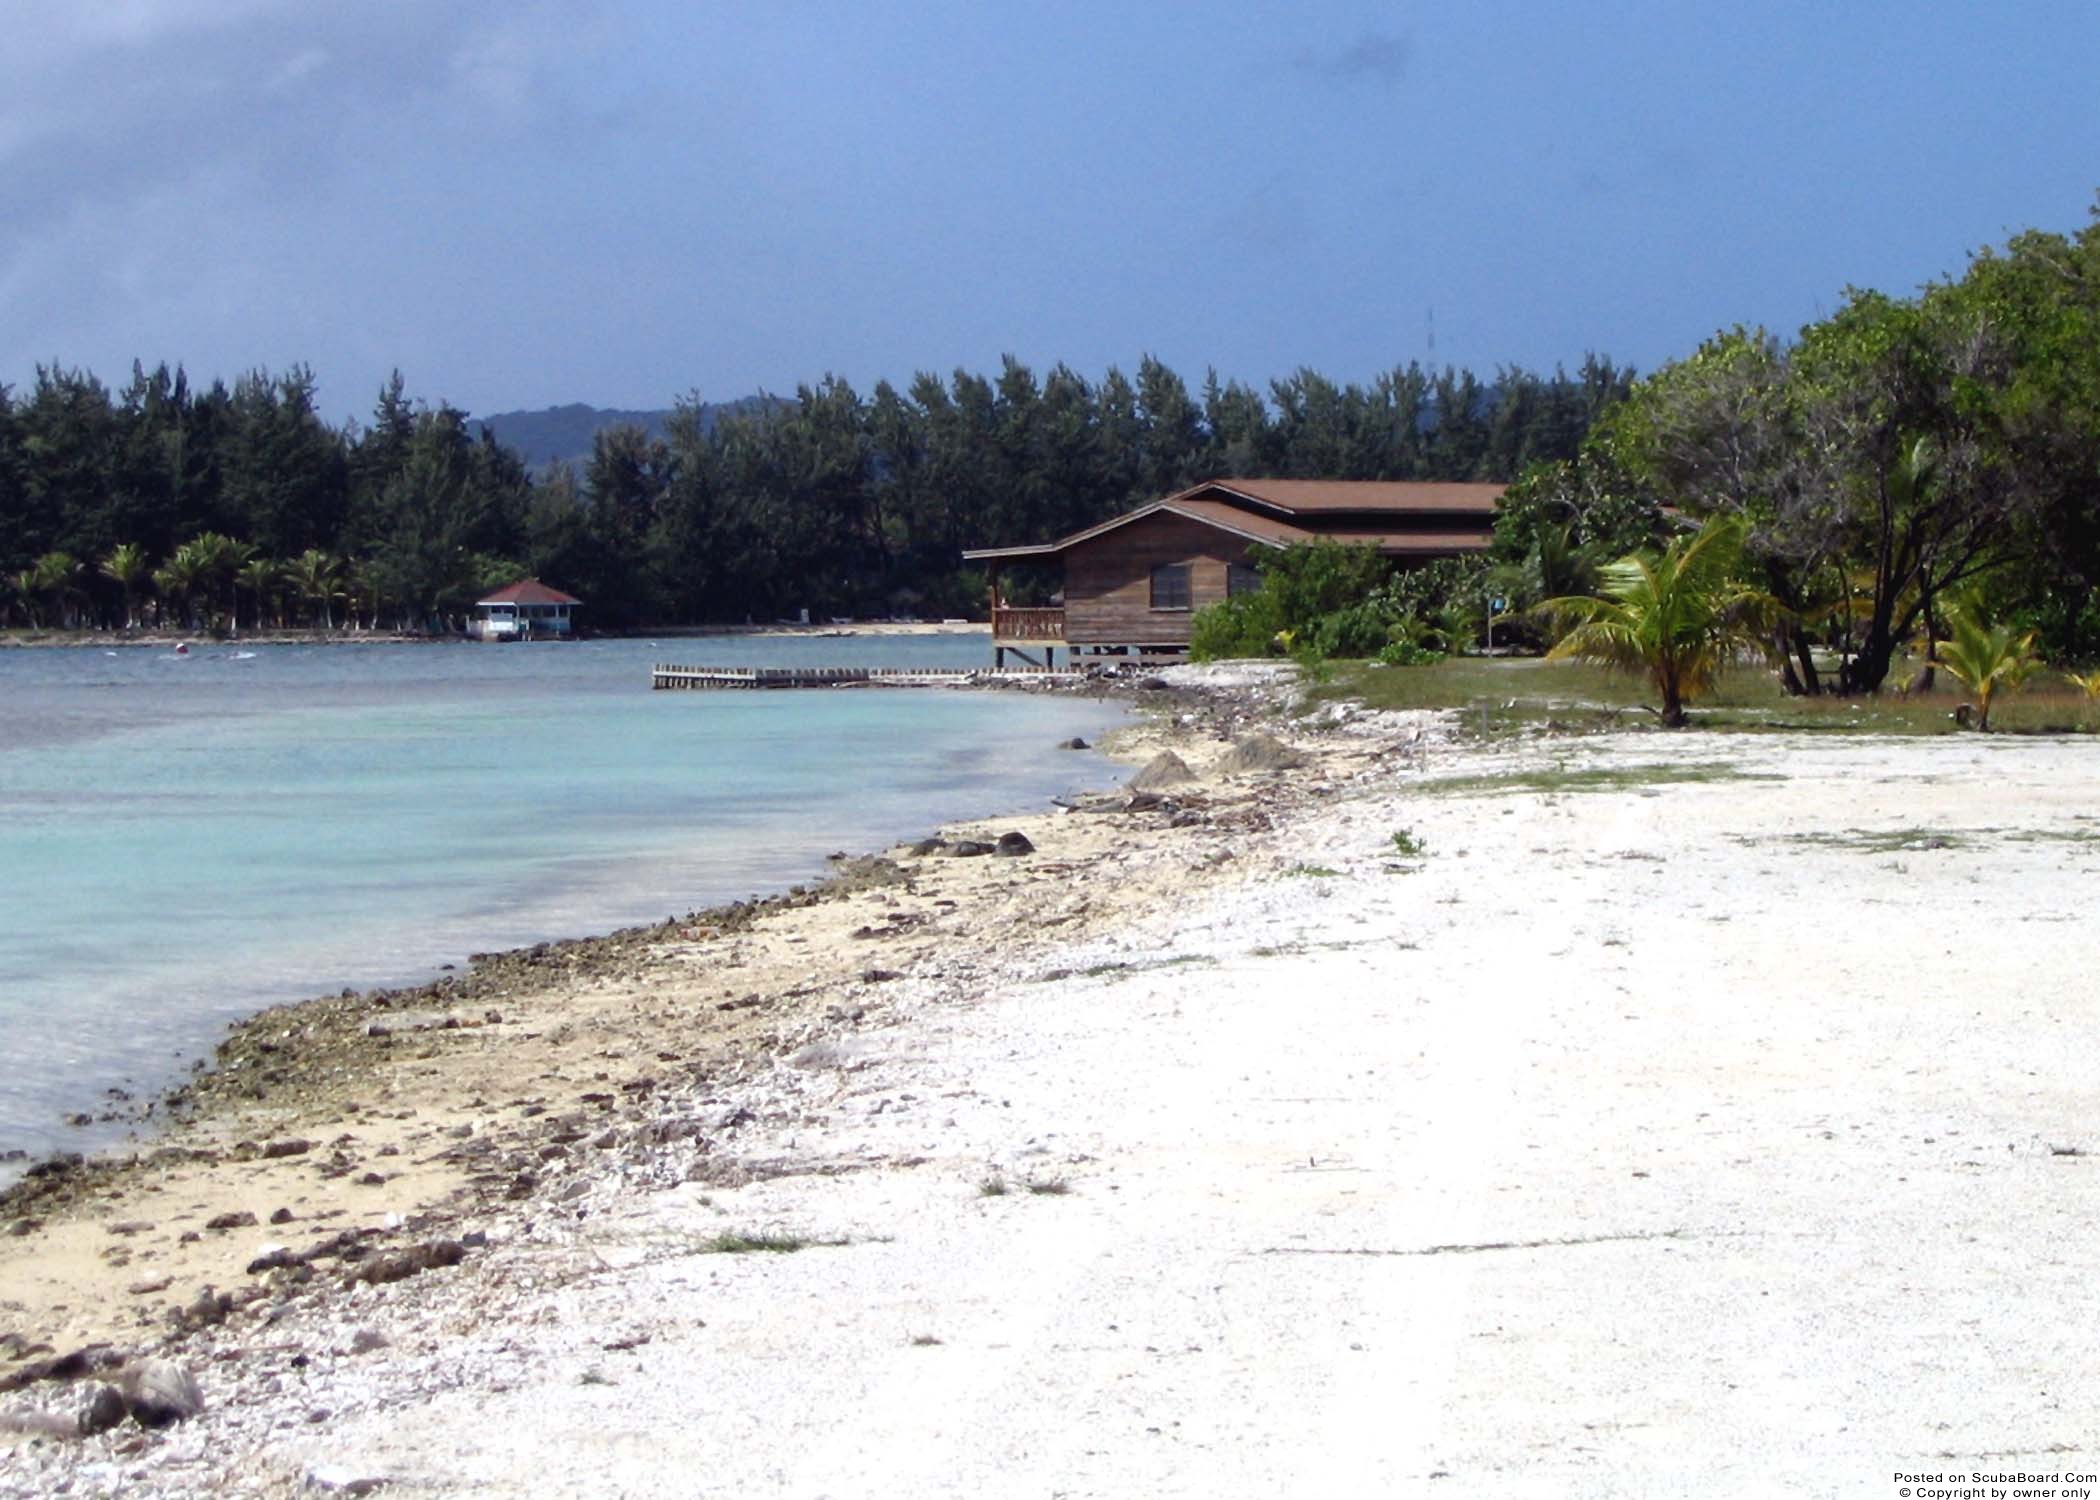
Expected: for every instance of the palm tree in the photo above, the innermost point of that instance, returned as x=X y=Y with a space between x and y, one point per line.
x=178 y=580
x=1676 y=617
x=57 y=578
x=23 y=585
x=131 y=570
x=215 y=559
x=1985 y=658
x=316 y=578
x=258 y=576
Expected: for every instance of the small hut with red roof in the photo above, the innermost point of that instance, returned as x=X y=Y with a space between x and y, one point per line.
x=525 y=610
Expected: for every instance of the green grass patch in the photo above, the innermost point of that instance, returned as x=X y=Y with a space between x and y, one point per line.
x=1406 y=845
x=733 y=1243
x=1497 y=697
x=1049 y=1187
x=1926 y=840
x=1886 y=840
x=1590 y=778
x=1314 y=872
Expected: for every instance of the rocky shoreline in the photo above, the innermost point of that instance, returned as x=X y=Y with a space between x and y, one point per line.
x=1302 y=1119
x=356 y=1141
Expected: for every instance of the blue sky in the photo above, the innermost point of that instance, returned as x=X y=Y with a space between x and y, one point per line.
x=524 y=202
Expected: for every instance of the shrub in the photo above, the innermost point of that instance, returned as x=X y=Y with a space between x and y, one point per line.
x=1246 y=625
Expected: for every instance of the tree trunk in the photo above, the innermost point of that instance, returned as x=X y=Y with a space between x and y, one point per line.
x=1866 y=670
x=1673 y=703
x=1811 y=680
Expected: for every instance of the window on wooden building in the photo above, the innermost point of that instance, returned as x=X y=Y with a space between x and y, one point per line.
x=1170 y=586
x=1241 y=578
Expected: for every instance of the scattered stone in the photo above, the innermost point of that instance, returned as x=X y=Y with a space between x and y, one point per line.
x=365 y=1340
x=1013 y=844
x=878 y=976
x=160 y=1393
x=22 y=1227
x=104 y=1408
x=128 y=1226
x=370 y=1179
x=1074 y=743
x=413 y=1261
x=968 y=848
x=293 y=1147
x=283 y=1216
x=206 y=1310
x=148 y=1288
x=1164 y=770
x=332 y=1479
x=239 y=1219
x=928 y=846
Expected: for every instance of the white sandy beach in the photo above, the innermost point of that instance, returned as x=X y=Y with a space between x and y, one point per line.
x=1640 y=1137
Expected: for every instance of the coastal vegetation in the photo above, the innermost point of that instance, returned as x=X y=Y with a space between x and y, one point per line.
x=1905 y=488
x=1677 y=617
x=240 y=506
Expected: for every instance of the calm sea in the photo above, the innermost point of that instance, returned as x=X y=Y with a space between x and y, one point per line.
x=184 y=840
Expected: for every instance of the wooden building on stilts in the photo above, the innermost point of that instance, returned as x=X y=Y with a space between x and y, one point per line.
x=1131 y=584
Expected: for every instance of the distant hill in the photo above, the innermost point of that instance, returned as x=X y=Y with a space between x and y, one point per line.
x=545 y=438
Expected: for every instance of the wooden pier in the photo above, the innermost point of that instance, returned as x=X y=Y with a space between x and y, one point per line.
x=720 y=678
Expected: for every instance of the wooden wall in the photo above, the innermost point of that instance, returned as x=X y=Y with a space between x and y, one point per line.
x=1108 y=581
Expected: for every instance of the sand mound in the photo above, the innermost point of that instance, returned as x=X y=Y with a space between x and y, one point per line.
x=1164 y=770
x=1259 y=752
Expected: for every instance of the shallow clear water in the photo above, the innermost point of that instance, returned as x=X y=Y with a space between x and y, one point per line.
x=185 y=840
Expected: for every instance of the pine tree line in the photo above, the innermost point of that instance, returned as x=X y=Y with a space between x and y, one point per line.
x=241 y=505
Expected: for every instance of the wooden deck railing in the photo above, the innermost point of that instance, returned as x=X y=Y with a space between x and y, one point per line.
x=1028 y=624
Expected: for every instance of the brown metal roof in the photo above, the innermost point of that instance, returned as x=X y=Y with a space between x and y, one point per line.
x=1317 y=495
x=1269 y=530
x=531 y=591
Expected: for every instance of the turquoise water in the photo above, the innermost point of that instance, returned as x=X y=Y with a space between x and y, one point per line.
x=185 y=840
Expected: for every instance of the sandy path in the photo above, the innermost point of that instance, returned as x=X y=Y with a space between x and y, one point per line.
x=1711 y=1136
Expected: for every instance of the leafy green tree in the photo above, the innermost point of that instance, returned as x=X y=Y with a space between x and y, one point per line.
x=1171 y=436
x=1677 y=617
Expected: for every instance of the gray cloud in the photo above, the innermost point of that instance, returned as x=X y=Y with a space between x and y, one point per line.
x=105 y=103
x=1374 y=57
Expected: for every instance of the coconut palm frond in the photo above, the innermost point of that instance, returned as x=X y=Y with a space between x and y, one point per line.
x=1677 y=616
